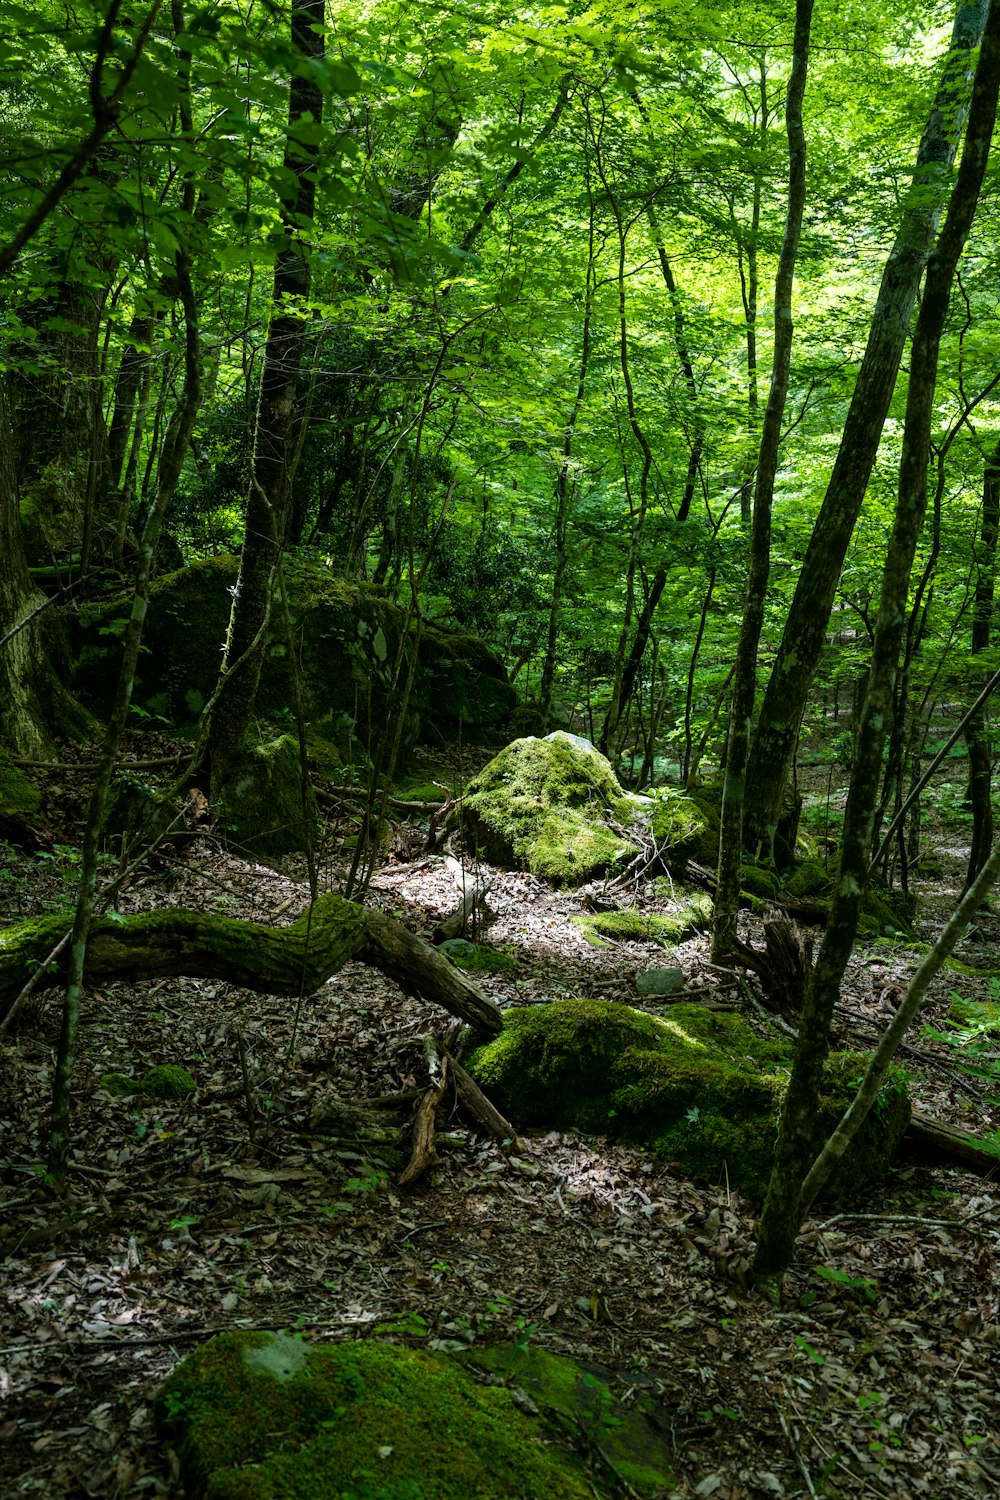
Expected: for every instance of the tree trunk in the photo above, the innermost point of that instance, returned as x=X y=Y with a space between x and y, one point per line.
x=269 y=960
x=785 y=1203
x=727 y=896
x=977 y=736
x=805 y=628
x=267 y=505
x=34 y=705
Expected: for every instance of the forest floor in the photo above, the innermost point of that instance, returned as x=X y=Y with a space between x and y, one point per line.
x=878 y=1377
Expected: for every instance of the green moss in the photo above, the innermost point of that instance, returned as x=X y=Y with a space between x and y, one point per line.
x=810 y=879
x=699 y=1087
x=260 y=800
x=665 y=928
x=119 y=1085
x=585 y=1398
x=347 y=645
x=477 y=958
x=982 y=1015
x=168 y=1081
x=255 y=1419
x=18 y=794
x=759 y=882
x=548 y=806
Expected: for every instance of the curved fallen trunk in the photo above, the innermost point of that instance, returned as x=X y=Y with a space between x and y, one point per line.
x=270 y=960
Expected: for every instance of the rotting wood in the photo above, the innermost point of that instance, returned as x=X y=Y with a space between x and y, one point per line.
x=485 y=1114
x=952 y=1143
x=269 y=960
x=424 y=1154
x=783 y=968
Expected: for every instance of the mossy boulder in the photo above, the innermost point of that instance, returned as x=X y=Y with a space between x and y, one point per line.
x=347 y=641
x=263 y=1416
x=698 y=1087
x=461 y=688
x=554 y=806
x=259 y=803
x=883 y=912
x=586 y=1399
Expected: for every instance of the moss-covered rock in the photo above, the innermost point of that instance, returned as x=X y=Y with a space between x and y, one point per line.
x=259 y=804
x=975 y=1015
x=697 y=1086
x=587 y=1399
x=347 y=640
x=462 y=687
x=549 y=806
x=554 y=806
x=756 y=881
x=261 y=1416
x=119 y=1085
x=665 y=928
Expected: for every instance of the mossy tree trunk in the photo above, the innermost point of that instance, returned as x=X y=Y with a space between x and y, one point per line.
x=269 y=960
x=34 y=704
x=783 y=1208
x=727 y=897
x=802 y=642
x=274 y=437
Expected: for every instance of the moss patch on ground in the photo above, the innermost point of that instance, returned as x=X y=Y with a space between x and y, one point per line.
x=630 y=926
x=167 y=1081
x=477 y=958
x=698 y=1087
x=261 y=1416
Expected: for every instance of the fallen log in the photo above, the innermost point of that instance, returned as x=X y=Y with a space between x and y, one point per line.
x=423 y=1154
x=269 y=960
x=950 y=1143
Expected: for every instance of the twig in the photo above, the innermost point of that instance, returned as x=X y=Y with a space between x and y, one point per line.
x=794 y=1447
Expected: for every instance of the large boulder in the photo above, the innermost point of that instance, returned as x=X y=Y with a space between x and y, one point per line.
x=554 y=806
x=698 y=1087
x=263 y=1416
x=347 y=642
x=260 y=807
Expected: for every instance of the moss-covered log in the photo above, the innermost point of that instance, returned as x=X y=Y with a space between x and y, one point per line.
x=270 y=960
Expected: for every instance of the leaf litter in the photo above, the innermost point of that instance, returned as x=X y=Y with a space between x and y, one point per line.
x=878 y=1377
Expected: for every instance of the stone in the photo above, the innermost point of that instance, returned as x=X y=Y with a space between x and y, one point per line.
x=654 y=983
x=263 y=1416
x=697 y=1087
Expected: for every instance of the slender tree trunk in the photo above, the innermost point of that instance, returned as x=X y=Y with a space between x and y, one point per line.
x=727 y=894
x=267 y=505
x=782 y=1214
x=977 y=736
x=174 y=452
x=805 y=629
x=564 y=485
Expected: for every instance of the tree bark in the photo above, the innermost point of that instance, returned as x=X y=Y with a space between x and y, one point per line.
x=269 y=960
x=805 y=628
x=786 y=1199
x=267 y=506
x=977 y=736
x=727 y=896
